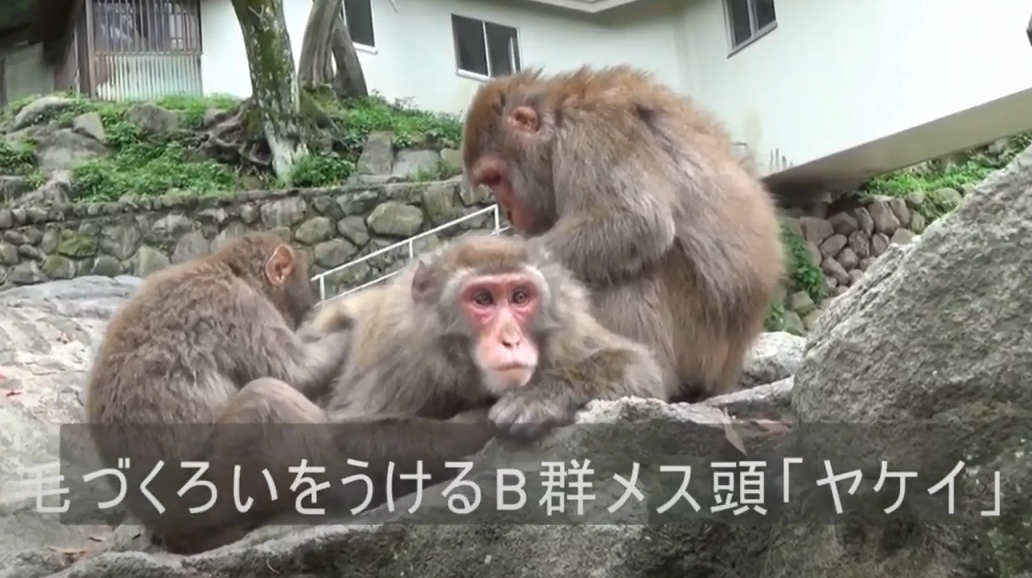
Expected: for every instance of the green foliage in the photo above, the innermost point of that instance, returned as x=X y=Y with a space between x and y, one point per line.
x=151 y=169
x=357 y=118
x=803 y=275
x=16 y=159
x=932 y=178
x=322 y=169
x=192 y=109
x=144 y=165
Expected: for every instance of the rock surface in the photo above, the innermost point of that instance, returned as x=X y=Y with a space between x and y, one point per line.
x=936 y=333
x=49 y=330
x=47 y=335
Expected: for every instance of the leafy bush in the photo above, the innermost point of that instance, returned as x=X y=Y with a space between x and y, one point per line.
x=147 y=165
x=803 y=275
x=976 y=165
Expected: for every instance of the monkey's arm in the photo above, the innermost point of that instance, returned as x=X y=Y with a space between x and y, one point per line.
x=555 y=396
x=336 y=315
x=269 y=348
x=611 y=224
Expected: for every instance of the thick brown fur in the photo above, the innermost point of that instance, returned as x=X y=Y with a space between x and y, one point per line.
x=415 y=358
x=209 y=344
x=639 y=192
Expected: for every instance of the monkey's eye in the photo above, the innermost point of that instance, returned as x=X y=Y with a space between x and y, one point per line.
x=483 y=298
x=520 y=296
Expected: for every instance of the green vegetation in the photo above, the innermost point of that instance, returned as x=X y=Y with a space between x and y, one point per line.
x=803 y=275
x=148 y=165
x=144 y=165
x=941 y=184
x=969 y=168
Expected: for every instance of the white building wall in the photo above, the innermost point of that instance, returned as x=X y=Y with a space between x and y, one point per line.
x=827 y=88
x=415 y=59
x=835 y=75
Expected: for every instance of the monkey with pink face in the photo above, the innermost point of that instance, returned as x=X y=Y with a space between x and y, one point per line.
x=482 y=324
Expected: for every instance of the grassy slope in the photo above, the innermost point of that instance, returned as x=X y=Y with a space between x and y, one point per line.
x=147 y=166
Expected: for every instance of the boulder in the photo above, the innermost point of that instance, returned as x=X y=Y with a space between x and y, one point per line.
x=434 y=542
x=935 y=337
x=49 y=331
x=47 y=335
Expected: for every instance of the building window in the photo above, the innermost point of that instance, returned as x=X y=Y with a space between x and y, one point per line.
x=147 y=27
x=485 y=48
x=142 y=50
x=358 y=15
x=748 y=20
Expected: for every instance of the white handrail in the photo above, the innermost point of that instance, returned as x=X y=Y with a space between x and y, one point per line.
x=410 y=244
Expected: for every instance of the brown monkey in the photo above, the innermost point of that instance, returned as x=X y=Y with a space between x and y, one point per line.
x=483 y=320
x=638 y=191
x=210 y=343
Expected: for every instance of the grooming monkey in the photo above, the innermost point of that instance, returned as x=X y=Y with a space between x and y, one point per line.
x=483 y=321
x=211 y=343
x=637 y=191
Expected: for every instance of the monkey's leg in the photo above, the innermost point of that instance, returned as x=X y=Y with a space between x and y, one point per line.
x=554 y=398
x=269 y=426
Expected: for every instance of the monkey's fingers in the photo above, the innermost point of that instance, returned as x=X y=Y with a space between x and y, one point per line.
x=527 y=418
x=331 y=318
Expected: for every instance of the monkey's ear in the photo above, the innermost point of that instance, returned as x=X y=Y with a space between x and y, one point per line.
x=280 y=264
x=524 y=119
x=422 y=282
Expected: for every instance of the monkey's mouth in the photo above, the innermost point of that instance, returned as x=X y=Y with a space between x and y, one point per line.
x=514 y=366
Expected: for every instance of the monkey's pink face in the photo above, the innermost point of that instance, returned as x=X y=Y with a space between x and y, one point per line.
x=500 y=308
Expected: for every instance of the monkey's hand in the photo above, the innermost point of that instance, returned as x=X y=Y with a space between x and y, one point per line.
x=331 y=318
x=479 y=415
x=533 y=411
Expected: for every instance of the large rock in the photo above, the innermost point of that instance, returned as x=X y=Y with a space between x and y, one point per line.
x=64 y=148
x=775 y=356
x=382 y=543
x=47 y=336
x=935 y=335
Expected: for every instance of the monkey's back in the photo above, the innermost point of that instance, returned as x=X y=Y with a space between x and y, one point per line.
x=705 y=302
x=158 y=359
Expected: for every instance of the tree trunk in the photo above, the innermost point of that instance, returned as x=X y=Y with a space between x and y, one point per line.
x=312 y=68
x=349 y=81
x=274 y=86
x=325 y=31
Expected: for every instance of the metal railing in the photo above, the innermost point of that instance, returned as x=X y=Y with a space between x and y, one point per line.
x=407 y=243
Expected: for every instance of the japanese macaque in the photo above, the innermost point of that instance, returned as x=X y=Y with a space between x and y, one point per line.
x=202 y=356
x=639 y=193
x=483 y=321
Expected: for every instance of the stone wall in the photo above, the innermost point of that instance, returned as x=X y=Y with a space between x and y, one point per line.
x=334 y=226
x=845 y=238
x=337 y=225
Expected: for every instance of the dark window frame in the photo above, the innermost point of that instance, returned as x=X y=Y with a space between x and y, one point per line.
x=361 y=42
x=491 y=33
x=756 y=31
